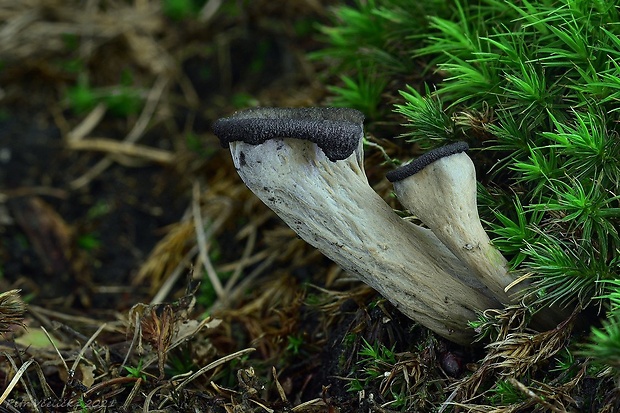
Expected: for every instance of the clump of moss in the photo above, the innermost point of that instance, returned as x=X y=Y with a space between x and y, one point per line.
x=534 y=87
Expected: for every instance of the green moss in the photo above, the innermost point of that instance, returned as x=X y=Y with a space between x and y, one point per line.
x=180 y=9
x=535 y=87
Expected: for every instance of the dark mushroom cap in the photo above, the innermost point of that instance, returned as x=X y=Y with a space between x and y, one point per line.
x=337 y=131
x=424 y=160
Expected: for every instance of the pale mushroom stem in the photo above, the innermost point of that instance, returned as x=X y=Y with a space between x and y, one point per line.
x=439 y=188
x=330 y=205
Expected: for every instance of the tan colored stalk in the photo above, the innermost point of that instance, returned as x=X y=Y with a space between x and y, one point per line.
x=439 y=188
x=330 y=204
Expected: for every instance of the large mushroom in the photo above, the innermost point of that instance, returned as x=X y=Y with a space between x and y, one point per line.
x=307 y=166
x=439 y=188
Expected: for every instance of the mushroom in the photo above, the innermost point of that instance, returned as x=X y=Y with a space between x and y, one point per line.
x=317 y=125
x=307 y=166
x=439 y=188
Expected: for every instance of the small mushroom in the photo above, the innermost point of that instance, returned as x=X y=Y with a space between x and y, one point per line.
x=307 y=166
x=439 y=188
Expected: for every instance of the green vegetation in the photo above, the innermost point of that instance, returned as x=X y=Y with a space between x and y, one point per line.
x=408 y=381
x=504 y=393
x=367 y=40
x=121 y=100
x=180 y=361
x=604 y=345
x=295 y=343
x=181 y=9
x=363 y=93
x=534 y=88
x=137 y=372
x=375 y=361
x=89 y=242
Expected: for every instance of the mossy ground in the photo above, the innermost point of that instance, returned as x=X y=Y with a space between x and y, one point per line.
x=108 y=166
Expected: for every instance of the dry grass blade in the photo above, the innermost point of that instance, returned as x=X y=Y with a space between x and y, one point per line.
x=474 y=408
x=136 y=132
x=109 y=383
x=215 y=364
x=203 y=250
x=248 y=279
x=174 y=252
x=88 y=124
x=310 y=403
x=519 y=352
x=278 y=385
x=32 y=191
x=265 y=408
x=56 y=349
x=47 y=391
x=149 y=398
x=169 y=282
x=534 y=397
x=42 y=315
x=515 y=353
x=132 y=394
x=16 y=378
x=27 y=32
x=134 y=318
x=80 y=355
x=113 y=147
x=169 y=255
x=243 y=261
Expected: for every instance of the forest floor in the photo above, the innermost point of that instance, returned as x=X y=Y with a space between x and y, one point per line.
x=154 y=280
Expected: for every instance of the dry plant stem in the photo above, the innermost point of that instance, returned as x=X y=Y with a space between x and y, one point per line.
x=215 y=364
x=88 y=124
x=443 y=196
x=49 y=338
x=243 y=261
x=17 y=377
x=152 y=100
x=132 y=394
x=135 y=341
x=40 y=314
x=112 y=147
x=27 y=191
x=203 y=245
x=80 y=355
x=332 y=207
x=310 y=403
x=171 y=279
x=534 y=397
x=241 y=288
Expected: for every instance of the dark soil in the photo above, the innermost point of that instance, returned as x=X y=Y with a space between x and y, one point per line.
x=125 y=209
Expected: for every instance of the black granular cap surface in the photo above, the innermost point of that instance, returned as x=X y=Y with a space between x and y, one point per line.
x=336 y=131
x=424 y=160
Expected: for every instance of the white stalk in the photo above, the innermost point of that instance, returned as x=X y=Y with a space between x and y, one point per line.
x=332 y=207
x=439 y=188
